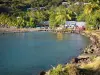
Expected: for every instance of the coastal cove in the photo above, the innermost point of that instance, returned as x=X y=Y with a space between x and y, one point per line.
x=32 y=52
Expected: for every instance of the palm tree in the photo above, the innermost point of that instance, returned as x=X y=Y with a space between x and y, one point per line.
x=52 y=21
x=62 y=15
x=90 y=8
x=90 y=12
x=39 y=15
x=58 y=16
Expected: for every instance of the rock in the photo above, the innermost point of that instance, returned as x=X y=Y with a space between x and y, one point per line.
x=74 y=60
x=42 y=73
x=85 y=52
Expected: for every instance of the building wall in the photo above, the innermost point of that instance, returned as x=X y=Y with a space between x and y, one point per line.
x=75 y=23
x=80 y=24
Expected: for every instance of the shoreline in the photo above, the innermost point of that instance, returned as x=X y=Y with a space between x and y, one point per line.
x=20 y=30
x=91 y=52
x=17 y=30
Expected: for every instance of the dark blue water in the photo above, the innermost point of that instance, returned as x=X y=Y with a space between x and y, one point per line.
x=29 y=53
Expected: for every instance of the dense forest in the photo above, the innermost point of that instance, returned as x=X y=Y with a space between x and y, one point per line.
x=29 y=13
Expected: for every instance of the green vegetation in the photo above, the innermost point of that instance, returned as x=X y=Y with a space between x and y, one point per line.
x=16 y=12
x=6 y=20
x=68 y=69
x=58 y=16
x=91 y=14
x=92 y=68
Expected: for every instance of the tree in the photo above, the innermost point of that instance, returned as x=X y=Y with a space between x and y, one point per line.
x=52 y=20
x=69 y=69
x=91 y=12
x=36 y=16
x=90 y=15
x=57 y=70
x=6 y=20
x=58 y=16
x=39 y=16
x=81 y=17
x=95 y=19
x=20 y=22
x=61 y=15
x=90 y=8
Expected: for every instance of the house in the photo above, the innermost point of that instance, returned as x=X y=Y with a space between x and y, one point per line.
x=66 y=4
x=75 y=25
x=35 y=9
x=81 y=24
x=70 y=24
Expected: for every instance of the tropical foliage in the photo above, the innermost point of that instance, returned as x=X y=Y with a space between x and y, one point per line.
x=91 y=68
x=16 y=13
x=69 y=69
x=91 y=15
x=58 y=16
x=7 y=21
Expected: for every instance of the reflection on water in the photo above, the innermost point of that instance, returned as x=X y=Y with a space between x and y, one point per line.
x=59 y=36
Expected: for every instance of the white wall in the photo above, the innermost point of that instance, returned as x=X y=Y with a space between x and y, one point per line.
x=80 y=24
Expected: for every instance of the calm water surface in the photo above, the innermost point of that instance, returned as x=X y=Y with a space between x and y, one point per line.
x=29 y=53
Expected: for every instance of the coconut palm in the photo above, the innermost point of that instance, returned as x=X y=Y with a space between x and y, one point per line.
x=91 y=12
x=90 y=8
x=52 y=21
x=59 y=16
x=39 y=15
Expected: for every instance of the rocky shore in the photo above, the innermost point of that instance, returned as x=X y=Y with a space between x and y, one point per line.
x=90 y=55
x=93 y=50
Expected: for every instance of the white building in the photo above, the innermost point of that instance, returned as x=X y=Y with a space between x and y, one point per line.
x=72 y=24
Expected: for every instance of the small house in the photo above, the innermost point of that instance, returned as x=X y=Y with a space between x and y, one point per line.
x=70 y=24
x=81 y=24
